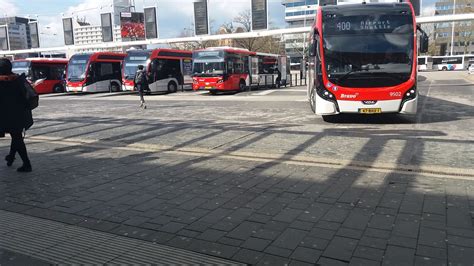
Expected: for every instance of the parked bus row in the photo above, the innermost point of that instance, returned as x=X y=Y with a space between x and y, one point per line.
x=214 y=69
x=444 y=63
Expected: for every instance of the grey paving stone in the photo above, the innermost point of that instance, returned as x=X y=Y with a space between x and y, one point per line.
x=426 y=261
x=322 y=233
x=231 y=241
x=363 y=262
x=245 y=230
x=432 y=237
x=431 y=252
x=259 y=218
x=460 y=255
x=373 y=242
x=399 y=256
x=172 y=227
x=307 y=226
x=215 y=249
x=383 y=222
x=340 y=248
x=306 y=254
x=336 y=215
x=287 y=215
x=180 y=242
x=290 y=239
x=461 y=241
x=402 y=241
x=273 y=260
x=267 y=234
x=357 y=220
x=323 y=261
x=314 y=242
x=248 y=256
x=300 y=263
x=350 y=233
x=372 y=232
x=256 y=244
x=369 y=253
x=406 y=229
x=277 y=251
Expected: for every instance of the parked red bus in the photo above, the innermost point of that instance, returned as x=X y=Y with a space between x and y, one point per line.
x=95 y=72
x=45 y=74
x=234 y=69
x=363 y=59
x=167 y=68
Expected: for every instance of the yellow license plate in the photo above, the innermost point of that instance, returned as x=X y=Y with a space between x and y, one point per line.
x=370 y=110
x=207 y=88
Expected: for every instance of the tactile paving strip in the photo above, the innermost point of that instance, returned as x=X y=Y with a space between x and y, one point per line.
x=63 y=244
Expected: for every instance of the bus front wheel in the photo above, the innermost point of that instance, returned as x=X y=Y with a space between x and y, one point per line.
x=444 y=68
x=172 y=87
x=241 y=85
x=312 y=100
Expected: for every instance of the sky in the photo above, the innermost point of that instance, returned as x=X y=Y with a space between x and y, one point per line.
x=173 y=15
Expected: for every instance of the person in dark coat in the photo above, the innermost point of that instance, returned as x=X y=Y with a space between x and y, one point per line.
x=141 y=82
x=15 y=116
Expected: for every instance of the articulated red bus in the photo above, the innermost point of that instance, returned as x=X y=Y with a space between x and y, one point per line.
x=363 y=59
x=95 y=72
x=166 y=68
x=45 y=74
x=234 y=69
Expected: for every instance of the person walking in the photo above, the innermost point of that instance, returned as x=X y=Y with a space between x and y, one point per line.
x=15 y=115
x=141 y=83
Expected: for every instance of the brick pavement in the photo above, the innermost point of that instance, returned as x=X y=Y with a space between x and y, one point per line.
x=248 y=211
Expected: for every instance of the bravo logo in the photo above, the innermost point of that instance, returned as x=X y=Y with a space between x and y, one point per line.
x=349 y=96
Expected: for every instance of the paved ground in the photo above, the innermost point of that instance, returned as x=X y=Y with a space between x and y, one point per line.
x=256 y=178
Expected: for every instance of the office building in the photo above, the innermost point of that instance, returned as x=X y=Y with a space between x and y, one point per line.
x=18 y=32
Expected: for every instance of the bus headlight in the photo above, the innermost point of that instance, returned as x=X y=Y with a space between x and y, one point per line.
x=409 y=95
x=325 y=94
x=220 y=81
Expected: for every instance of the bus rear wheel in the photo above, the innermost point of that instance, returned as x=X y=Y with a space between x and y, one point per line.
x=172 y=87
x=58 y=88
x=444 y=68
x=114 y=87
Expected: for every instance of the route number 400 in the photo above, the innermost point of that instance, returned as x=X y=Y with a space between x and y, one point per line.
x=342 y=26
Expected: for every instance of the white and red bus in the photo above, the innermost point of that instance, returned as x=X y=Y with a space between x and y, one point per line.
x=363 y=59
x=95 y=72
x=45 y=74
x=234 y=69
x=167 y=69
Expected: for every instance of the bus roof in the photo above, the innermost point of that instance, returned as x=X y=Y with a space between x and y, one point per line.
x=171 y=53
x=366 y=7
x=104 y=56
x=44 y=60
x=229 y=50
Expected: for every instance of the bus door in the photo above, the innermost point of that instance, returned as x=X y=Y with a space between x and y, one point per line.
x=282 y=66
x=187 y=71
x=254 y=70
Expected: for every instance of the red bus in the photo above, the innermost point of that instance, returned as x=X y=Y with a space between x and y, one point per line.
x=45 y=74
x=234 y=69
x=363 y=59
x=167 y=68
x=95 y=72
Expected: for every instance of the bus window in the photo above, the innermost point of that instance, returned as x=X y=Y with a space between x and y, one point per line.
x=57 y=72
x=40 y=72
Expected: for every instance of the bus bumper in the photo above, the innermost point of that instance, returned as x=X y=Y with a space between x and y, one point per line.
x=409 y=107
x=324 y=107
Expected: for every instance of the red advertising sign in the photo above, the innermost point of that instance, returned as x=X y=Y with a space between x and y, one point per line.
x=132 y=25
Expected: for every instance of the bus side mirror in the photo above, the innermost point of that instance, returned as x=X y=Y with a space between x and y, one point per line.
x=424 y=43
x=313 y=47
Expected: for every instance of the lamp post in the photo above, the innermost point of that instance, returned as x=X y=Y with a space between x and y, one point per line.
x=303 y=64
x=452 y=28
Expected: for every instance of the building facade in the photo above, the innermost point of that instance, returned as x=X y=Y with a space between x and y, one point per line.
x=298 y=13
x=463 y=40
x=18 y=32
x=89 y=34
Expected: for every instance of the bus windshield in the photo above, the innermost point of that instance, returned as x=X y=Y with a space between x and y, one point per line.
x=76 y=69
x=208 y=63
x=20 y=67
x=131 y=63
x=368 y=50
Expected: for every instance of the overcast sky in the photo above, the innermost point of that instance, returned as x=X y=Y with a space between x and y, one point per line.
x=173 y=15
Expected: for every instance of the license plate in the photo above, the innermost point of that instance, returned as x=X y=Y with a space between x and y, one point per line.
x=370 y=110
x=207 y=87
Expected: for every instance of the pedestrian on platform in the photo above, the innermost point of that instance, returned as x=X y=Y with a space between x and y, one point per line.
x=15 y=115
x=141 y=83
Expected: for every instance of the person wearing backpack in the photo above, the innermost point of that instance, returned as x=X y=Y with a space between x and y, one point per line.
x=15 y=113
x=141 y=83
